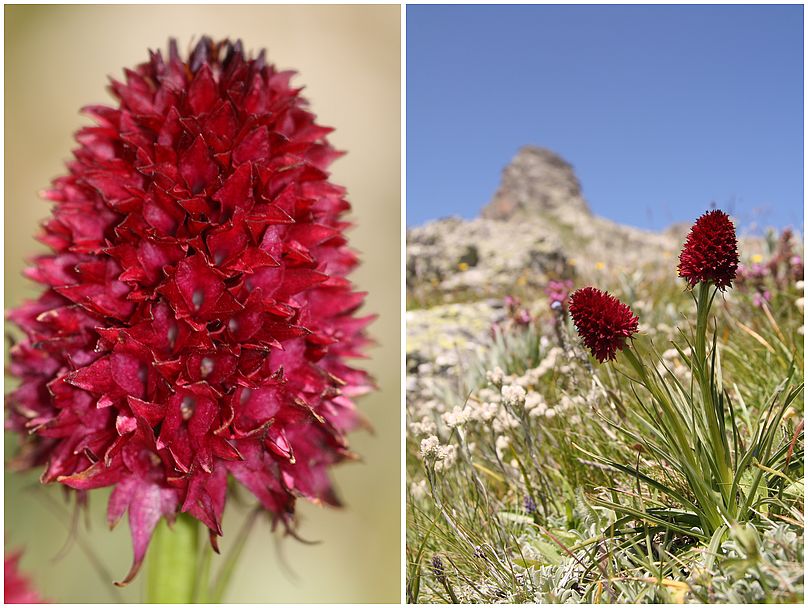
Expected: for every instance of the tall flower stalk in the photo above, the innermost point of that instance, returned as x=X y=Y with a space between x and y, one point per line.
x=174 y=572
x=690 y=428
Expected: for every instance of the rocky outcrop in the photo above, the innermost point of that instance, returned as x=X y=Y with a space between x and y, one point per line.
x=537 y=226
x=537 y=181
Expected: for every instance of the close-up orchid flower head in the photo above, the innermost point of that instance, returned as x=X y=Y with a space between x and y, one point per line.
x=194 y=338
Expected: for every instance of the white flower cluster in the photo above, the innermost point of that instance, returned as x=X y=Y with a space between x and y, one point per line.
x=513 y=395
x=536 y=406
x=429 y=447
x=502 y=444
x=426 y=426
x=457 y=417
x=426 y=408
x=483 y=409
x=495 y=376
x=505 y=421
x=444 y=456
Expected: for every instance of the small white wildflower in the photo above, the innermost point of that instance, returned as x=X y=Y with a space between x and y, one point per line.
x=548 y=363
x=533 y=401
x=800 y=303
x=426 y=426
x=447 y=455
x=504 y=421
x=503 y=443
x=495 y=376
x=429 y=447
x=800 y=285
x=513 y=395
x=482 y=411
x=446 y=360
x=457 y=417
x=550 y=413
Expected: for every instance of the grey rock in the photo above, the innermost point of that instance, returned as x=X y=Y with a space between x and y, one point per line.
x=537 y=226
x=537 y=181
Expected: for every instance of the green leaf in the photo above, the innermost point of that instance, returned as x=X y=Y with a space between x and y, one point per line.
x=518 y=518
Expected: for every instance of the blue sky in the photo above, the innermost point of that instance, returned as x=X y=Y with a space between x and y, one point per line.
x=661 y=109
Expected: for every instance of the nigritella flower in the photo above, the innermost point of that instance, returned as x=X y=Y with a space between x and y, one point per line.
x=196 y=318
x=710 y=253
x=17 y=589
x=603 y=322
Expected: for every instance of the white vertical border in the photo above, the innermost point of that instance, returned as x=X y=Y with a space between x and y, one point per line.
x=403 y=289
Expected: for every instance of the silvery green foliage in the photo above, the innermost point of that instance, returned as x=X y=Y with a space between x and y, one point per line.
x=757 y=568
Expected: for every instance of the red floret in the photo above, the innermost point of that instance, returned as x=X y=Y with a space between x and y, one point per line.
x=17 y=589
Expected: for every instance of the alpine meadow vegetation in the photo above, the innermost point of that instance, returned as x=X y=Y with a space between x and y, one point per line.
x=638 y=439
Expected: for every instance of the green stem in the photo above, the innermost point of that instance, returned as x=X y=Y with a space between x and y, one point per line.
x=173 y=562
x=702 y=312
x=710 y=409
x=672 y=425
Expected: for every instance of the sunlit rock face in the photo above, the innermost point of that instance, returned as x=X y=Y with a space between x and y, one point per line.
x=536 y=181
x=537 y=227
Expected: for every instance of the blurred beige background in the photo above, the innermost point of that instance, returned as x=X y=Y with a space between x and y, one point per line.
x=57 y=59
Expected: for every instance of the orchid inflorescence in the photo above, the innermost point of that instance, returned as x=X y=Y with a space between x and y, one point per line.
x=196 y=317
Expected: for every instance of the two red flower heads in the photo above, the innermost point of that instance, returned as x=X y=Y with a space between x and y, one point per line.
x=709 y=255
x=196 y=320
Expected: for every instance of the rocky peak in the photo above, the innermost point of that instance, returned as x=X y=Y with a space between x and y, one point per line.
x=537 y=182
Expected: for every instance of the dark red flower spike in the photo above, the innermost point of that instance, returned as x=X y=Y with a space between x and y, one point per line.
x=196 y=318
x=603 y=322
x=710 y=253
